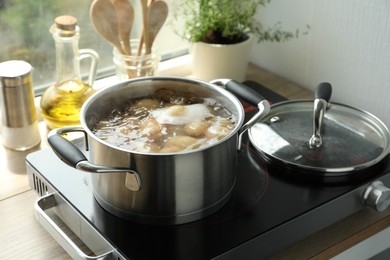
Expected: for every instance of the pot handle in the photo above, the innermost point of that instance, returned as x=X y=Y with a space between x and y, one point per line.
x=72 y=156
x=65 y=150
x=249 y=95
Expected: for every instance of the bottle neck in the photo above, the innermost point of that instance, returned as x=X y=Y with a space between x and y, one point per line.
x=67 y=57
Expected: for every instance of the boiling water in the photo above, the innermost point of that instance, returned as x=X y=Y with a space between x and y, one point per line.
x=166 y=122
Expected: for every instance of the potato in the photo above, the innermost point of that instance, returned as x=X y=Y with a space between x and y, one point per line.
x=220 y=127
x=217 y=131
x=196 y=128
x=148 y=147
x=150 y=127
x=146 y=103
x=175 y=110
x=170 y=149
x=180 y=141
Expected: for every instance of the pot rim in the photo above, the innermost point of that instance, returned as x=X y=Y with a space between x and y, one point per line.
x=239 y=117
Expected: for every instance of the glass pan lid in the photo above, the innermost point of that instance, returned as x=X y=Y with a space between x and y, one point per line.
x=351 y=139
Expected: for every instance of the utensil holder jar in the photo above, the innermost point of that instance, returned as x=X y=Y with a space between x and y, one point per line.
x=136 y=65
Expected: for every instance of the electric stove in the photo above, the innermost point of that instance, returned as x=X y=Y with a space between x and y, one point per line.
x=269 y=210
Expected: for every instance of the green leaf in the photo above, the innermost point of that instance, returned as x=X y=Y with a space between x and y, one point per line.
x=224 y=21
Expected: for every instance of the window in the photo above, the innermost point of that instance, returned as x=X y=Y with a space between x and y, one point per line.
x=24 y=35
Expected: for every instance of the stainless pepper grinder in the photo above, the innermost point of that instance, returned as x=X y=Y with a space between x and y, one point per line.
x=18 y=114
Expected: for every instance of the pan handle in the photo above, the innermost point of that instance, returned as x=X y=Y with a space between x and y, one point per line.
x=72 y=156
x=244 y=92
x=249 y=95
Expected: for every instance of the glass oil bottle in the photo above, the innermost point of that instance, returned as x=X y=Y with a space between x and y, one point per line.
x=61 y=102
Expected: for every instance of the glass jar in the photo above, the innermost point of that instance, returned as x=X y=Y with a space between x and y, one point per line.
x=61 y=102
x=139 y=64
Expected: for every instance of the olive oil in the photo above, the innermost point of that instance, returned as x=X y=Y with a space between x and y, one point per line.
x=61 y=103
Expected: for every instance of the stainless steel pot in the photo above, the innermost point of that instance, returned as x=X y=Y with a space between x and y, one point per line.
x=159 y=188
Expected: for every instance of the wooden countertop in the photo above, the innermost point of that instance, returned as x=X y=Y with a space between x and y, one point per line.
x=22 y=237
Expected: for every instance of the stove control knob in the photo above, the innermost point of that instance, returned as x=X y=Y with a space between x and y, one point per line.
x=377 y=196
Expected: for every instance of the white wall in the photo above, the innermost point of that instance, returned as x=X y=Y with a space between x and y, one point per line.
x=348 y=45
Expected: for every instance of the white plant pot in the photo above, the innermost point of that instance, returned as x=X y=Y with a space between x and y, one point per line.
x=213 y=61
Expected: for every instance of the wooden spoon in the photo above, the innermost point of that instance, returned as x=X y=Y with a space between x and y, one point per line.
x=144 y=35
x=104 y=19
x=157 y=14
x=125 y=13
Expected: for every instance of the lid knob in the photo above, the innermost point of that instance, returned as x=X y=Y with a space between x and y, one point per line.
x=323 y=93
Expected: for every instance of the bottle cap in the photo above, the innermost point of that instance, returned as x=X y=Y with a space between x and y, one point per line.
x=14 y=73
x=66 y=22
x=65 y=26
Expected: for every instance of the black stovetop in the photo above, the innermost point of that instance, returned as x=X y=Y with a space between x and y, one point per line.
x=266 y=213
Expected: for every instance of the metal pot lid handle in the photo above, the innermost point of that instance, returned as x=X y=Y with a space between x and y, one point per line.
x=323 y=93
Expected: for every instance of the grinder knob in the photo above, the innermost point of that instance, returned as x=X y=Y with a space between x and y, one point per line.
x=377 y=196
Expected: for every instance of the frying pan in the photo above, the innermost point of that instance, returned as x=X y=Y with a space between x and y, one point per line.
x=320 y=138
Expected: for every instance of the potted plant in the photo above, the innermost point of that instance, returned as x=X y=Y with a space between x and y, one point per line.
x=221 y=33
